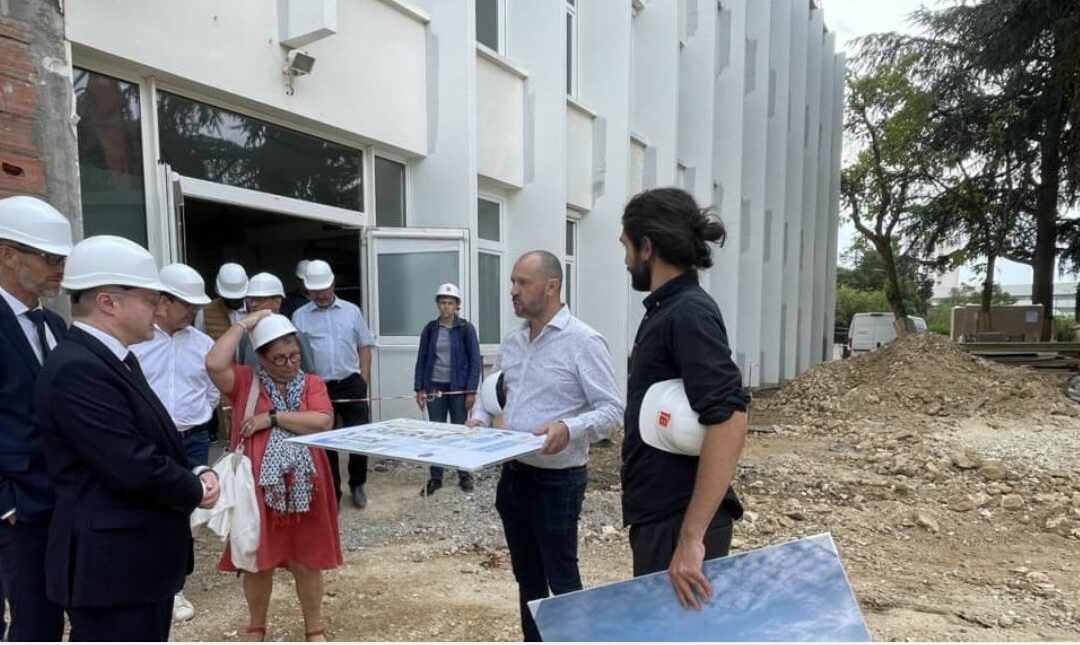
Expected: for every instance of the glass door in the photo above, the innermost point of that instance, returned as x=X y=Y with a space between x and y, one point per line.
x=404 y=269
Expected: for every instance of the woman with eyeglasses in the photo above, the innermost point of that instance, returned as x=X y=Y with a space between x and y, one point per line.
x=293 y=483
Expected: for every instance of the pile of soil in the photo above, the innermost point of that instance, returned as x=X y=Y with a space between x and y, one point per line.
x=921 y=375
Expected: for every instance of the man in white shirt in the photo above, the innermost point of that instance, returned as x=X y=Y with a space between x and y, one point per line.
x=174 y=363
x=35 y=239
x=559 y=383
x=341 y=345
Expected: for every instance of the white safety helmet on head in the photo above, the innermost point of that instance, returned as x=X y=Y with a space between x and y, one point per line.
x=104 y=260
x=301 y=268
x=265 y=285
x=34 y=223
x=232 y=281
x=184 y=283
x=493 y=393
x=667 y=422
x=448 y=290
x=270 y=329
x=318 y=276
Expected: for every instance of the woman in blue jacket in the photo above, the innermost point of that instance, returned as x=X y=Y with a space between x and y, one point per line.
x=448 y=361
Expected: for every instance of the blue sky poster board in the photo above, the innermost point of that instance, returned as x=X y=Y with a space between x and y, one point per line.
x=796 y=591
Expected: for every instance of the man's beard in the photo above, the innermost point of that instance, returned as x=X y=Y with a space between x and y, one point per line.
x=641 y=276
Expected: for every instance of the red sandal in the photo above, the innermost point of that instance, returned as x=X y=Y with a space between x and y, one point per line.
x=252 y=629
x=315 y=632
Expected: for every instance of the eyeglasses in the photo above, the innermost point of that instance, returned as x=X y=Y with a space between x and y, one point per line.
x=50 y=259
x=282 y=359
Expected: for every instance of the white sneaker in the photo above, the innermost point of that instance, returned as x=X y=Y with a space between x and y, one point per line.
x=182 y=608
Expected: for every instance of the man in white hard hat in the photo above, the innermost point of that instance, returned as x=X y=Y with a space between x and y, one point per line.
x=560 y=384
x=119 y=541
x=34 y=242
x=227 y=309
x=265 y=291
x=174 y=362
x=680 y=507
x=342 y=342
x=298 y=297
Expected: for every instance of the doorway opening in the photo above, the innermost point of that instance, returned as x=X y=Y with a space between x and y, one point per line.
x=215 y=233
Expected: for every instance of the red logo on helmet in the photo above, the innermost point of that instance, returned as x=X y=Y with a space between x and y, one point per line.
x=664 y=418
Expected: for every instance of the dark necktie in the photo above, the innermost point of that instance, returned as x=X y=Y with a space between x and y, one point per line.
x=37 y=316
x=133 y=364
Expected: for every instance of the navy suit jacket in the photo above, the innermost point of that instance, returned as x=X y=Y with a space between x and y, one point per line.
x=124 y=488
x=24 y=483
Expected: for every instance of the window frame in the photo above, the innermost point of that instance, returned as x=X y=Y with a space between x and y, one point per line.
x=498 y=249
x=500 y=28
x=573 y=221
x=572 y=38
x=406 y=189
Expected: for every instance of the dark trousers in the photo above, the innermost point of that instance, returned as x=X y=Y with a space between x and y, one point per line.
x=197 y=444
x=350 y=414
x=149 y=622
x=439 y=409
x=539 y=508
x=22 y=566
x=653 y=544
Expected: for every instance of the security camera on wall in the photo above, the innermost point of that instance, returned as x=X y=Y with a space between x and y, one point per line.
x=297 y=63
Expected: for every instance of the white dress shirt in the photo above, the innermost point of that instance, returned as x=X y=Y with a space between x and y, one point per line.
x=336 y=335
x=564 y=374
x=20 y=310
x=175 y=367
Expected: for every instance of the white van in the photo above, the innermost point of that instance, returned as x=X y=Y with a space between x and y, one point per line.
x=871 y=330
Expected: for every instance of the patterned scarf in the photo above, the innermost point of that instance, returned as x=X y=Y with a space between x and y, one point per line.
x=282 y=457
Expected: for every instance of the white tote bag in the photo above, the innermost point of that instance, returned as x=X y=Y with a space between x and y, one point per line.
x=236 y=514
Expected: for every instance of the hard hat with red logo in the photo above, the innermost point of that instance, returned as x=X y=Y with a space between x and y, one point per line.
x=667 y=422
x=448 y=290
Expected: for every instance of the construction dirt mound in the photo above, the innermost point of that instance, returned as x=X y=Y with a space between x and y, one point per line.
x=921 y=375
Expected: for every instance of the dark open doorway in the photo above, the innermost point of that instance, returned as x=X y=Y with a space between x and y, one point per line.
x=216 y=233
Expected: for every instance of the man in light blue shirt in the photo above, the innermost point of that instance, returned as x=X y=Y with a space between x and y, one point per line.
x=341 y=345
x=559 y=383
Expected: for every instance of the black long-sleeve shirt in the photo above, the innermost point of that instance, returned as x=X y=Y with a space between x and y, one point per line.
x=682 y=336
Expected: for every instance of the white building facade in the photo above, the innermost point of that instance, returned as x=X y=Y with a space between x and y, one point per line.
x=435 y=141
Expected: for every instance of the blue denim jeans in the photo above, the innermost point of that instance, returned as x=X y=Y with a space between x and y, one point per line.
x=438 y=410
x=539 y=508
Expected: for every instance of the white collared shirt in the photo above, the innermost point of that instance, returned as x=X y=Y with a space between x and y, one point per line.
x=20 y=310
x=111 y=342
x=175 y=367
x=564 y=374
x=336 y=335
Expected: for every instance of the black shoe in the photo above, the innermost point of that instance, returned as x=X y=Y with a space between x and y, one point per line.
x=359 y=499
x=465 y=484
x=430 y=488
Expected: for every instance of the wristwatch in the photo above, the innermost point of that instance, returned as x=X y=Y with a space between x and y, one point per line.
x=273 y=417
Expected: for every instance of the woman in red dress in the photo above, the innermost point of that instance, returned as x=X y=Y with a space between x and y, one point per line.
x=293 y=485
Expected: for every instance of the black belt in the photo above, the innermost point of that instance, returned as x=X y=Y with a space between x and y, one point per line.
x=520 y=466
x=202 y=427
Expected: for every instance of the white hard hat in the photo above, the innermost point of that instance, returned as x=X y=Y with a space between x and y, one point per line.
x=270 y=329
x=448 y=289
x=105 y=260
x=318 y=276
x=232 y=281
x=265 y=285
x=184 y=283
x=34 y=223
x=667 y=422
x=493 y=393
x=301 y=268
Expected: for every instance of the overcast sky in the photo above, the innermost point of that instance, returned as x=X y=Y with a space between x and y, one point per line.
x=851 y=19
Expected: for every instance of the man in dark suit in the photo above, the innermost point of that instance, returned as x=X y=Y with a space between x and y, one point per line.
x=119 y=542
x=34 y=242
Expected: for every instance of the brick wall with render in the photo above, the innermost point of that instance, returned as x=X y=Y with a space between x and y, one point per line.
x=38 y=149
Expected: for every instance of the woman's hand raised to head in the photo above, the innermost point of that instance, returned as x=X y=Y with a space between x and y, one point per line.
x=249 y=321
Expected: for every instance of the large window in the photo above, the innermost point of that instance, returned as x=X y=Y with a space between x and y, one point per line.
x=110 y=156
x=211 y=143
x=389 y=193
x=489 y=267
x=405 y=311
x=489 y=23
